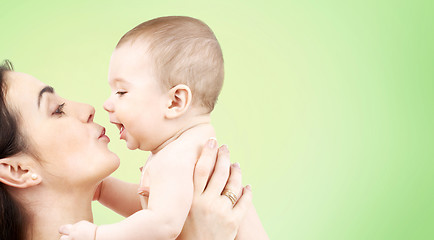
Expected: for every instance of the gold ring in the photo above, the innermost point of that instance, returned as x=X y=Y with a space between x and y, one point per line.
x=231 y=195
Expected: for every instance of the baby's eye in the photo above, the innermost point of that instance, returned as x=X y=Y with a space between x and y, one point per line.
x=120 y=93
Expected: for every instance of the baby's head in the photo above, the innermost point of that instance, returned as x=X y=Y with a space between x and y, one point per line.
x=163 y=72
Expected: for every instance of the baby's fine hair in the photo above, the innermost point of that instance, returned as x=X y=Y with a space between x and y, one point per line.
x=184 y=50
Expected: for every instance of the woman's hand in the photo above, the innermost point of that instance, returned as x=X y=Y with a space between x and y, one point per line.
x=212 y=215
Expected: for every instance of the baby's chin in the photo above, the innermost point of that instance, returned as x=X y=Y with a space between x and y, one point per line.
x=132 y=145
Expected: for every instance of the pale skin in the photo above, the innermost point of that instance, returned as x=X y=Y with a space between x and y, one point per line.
x=211 y=217
x=57 y=177
x=167 y=123
x=56 y=187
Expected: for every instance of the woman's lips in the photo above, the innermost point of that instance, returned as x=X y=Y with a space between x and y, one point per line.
x=103 y=136
x=102 y=132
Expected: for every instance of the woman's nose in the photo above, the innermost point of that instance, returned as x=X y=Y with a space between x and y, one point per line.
x=91 y=114
x=88 y=113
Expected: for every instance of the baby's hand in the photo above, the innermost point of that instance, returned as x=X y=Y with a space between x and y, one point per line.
x=82 y=230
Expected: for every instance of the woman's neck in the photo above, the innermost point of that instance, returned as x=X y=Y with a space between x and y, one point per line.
x=49 y=209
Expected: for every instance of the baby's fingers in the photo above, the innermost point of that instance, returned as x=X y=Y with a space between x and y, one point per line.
x=65 y=237
x=65 y=229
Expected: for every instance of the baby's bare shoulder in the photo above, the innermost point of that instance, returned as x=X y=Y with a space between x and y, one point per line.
x=188 y=146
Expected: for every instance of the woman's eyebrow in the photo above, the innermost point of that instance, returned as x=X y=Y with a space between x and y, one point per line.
x=44 y=90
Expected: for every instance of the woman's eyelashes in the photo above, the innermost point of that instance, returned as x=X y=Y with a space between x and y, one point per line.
x=121 y=93
x=59 y=110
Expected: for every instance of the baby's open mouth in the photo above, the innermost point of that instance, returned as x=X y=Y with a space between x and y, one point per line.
x=121 y=129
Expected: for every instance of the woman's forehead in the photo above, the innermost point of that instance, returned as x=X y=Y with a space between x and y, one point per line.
x=22 y=81
x=22 y=88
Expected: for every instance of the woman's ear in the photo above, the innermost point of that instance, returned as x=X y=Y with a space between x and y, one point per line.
x=180 y=98
x=19 y=171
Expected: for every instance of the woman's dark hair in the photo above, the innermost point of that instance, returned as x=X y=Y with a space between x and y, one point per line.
x=13 y=224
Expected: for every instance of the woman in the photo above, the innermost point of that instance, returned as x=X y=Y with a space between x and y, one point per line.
x=53 y=158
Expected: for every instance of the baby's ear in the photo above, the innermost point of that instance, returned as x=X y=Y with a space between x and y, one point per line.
x=19 y=171
x=180 y=98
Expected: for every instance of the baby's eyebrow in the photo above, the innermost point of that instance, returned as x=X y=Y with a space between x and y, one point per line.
x=119 y=80
x=116 y=81
x=44 y=90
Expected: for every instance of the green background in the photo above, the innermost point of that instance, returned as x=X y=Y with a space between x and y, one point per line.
x=327 y=105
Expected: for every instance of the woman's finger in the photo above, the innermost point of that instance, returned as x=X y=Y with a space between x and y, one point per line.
x=234 y=188
x=243 y=204
x=221 y=172
x=204 y=165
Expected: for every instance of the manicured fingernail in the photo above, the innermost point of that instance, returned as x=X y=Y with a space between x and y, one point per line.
x=237 y=165
x=225 y=148
x=249 y=187
x=212 y=143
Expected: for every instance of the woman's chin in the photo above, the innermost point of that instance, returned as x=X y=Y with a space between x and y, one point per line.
x=116 y=163
x=108 y=167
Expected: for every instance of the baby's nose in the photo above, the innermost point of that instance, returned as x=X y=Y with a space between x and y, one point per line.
x=108 y=106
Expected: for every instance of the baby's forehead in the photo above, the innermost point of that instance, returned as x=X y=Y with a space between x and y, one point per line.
x=129 y=63
x=139 y=44
x=129 y=54
x=132 y=52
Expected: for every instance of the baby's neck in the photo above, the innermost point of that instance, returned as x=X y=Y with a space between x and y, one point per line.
x=193 y=123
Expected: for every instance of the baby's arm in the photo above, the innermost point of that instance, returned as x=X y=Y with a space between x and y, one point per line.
x=171 y=191
x=120 y=196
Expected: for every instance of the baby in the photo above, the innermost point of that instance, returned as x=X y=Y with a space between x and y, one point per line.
x=165 y=76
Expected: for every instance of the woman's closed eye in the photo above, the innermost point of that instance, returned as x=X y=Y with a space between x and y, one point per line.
x=59 y=110
x=121 y=93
